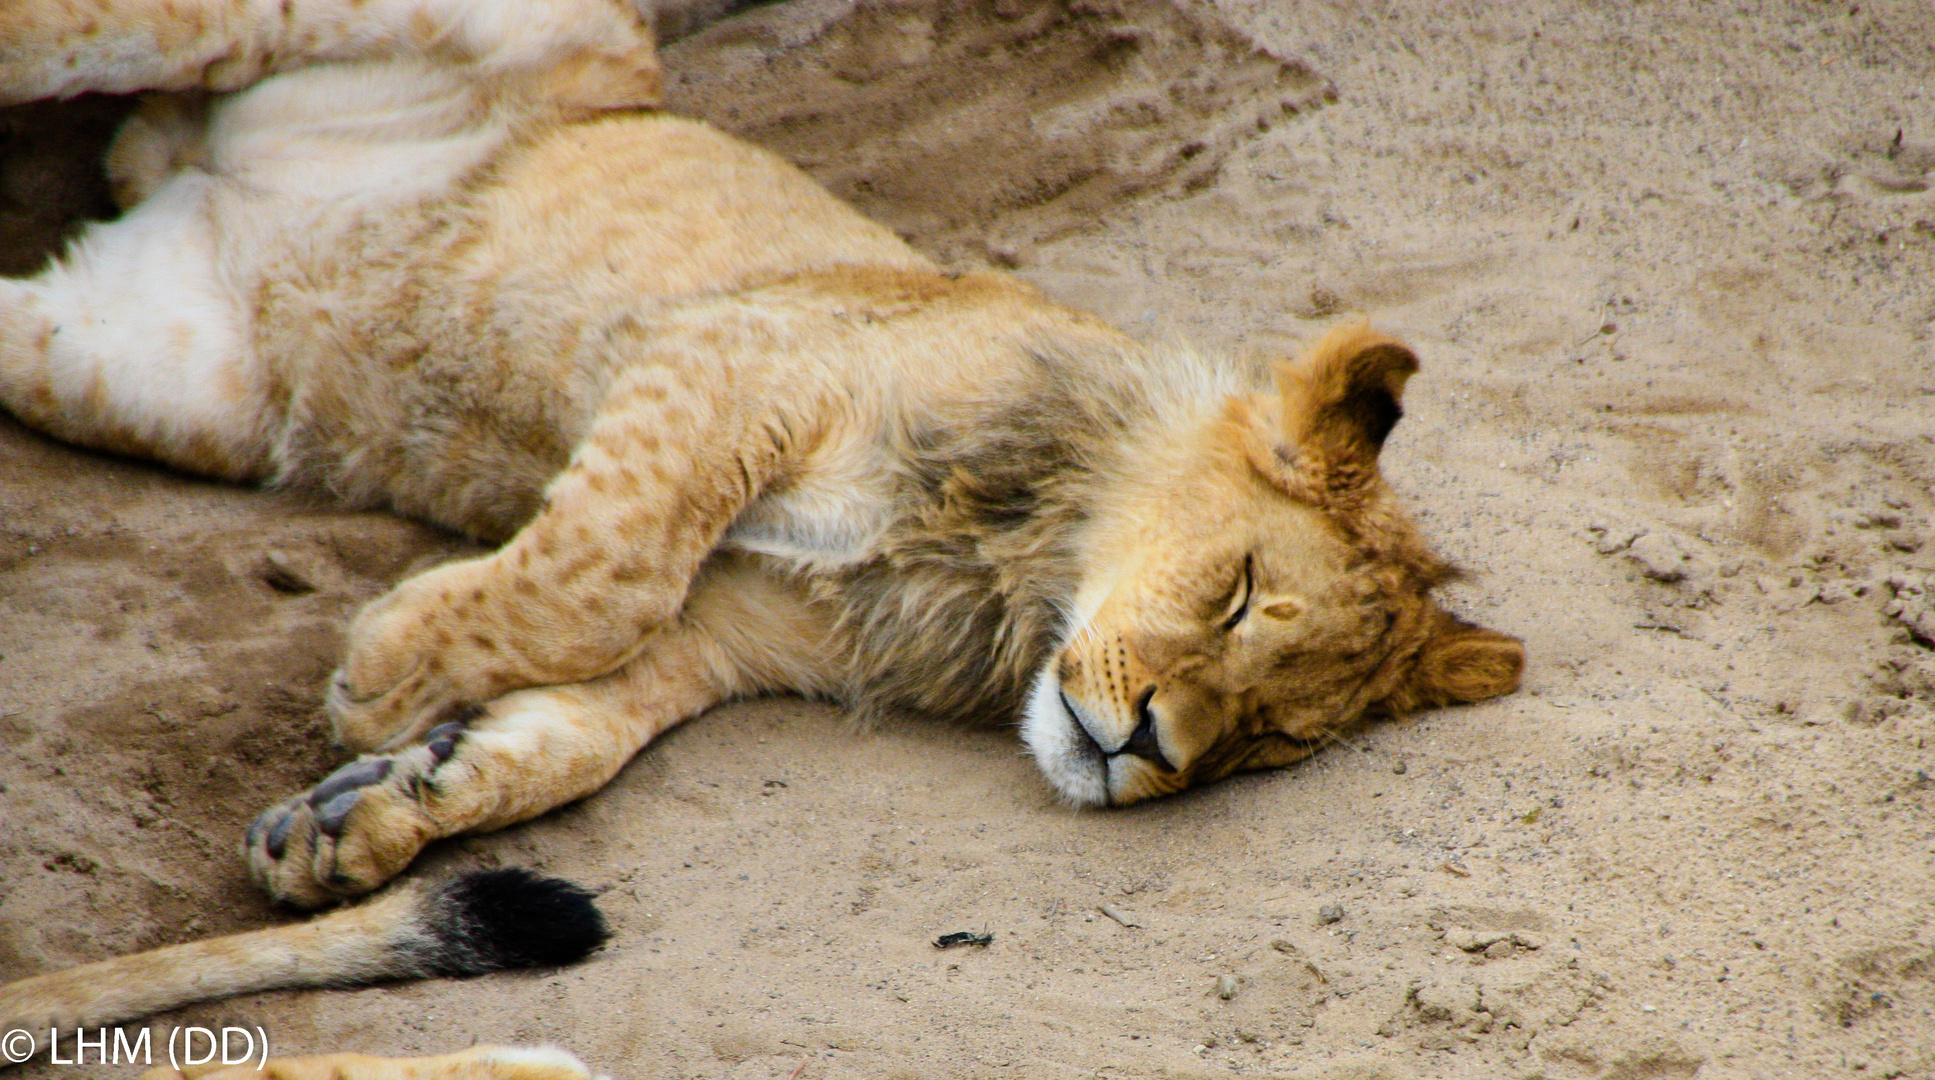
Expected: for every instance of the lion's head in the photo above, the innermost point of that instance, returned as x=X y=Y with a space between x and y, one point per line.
x=1260 y=592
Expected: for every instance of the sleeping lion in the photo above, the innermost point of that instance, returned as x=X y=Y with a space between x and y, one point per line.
x=731 y=438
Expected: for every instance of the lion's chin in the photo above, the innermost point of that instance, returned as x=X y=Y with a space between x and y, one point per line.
x=1070 y=760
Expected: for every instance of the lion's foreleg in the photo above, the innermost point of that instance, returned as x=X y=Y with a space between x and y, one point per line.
x=741 y=633
x=609 y=559
x=513 y=759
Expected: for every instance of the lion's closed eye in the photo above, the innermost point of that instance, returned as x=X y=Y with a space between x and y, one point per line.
x=1237 y=607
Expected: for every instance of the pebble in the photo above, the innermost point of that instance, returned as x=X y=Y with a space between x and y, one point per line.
x=1660 y=557
x=281 y=574
x=1612 y=539
x=1226 y=986
x=1330 y=913
x=1399 y=767
x=1120 y=916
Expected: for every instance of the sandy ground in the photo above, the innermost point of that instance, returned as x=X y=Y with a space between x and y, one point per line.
x=1672 y=271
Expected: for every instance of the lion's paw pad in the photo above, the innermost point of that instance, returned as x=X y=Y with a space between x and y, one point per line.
x=354 y=830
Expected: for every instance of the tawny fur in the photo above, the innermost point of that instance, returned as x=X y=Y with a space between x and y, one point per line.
x=435 y=255
x=351 y=945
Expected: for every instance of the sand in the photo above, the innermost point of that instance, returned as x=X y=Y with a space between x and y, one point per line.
x=1669 y=267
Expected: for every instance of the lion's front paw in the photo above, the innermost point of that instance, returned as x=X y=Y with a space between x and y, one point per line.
x=393 y=717
x=355 y=830
x=412 y=660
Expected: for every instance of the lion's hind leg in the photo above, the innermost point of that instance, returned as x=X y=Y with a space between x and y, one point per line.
x=593 y=53
x=164 y=136
x=134 y=343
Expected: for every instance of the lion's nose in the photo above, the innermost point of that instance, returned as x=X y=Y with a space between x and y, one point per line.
x=1142 y=741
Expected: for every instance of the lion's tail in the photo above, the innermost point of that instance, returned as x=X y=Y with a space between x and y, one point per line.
x=465 y=926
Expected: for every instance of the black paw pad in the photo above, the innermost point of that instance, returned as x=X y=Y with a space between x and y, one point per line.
x=443 y=746
x=331 y=815
x=354 y=775
x=279 y=834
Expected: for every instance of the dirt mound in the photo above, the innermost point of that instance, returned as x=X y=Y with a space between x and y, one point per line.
x=980 y=127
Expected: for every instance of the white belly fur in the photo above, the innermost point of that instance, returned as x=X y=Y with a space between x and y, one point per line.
x=831 y=517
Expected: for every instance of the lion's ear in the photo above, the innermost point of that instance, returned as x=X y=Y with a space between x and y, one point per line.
x=1342 y=398
x=1459 y=663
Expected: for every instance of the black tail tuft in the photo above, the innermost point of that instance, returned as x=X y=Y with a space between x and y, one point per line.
x=497 y=919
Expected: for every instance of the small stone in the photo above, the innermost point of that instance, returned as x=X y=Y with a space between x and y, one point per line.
x=1872 y=711
x=1443 y=1003
x=1226 y=986
x=1321 y=304
x=1835 y=592
x=280 y=572
x=1473 y=940
x=1660 y=557
x=1612 y=539
x=1126 y=920
x=1913 y=606
x=1399 y=767
x=1330 y=913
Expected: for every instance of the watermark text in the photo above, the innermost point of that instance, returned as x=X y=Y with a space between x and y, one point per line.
x=118 y=1046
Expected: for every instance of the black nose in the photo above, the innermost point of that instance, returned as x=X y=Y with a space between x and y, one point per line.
x=1142 y=742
